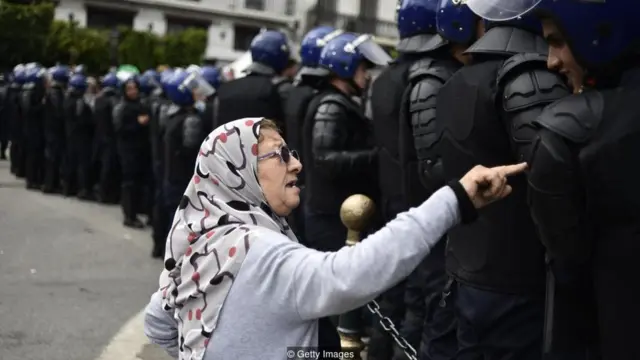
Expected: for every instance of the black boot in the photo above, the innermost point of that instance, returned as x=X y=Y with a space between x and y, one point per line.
x=128 y=207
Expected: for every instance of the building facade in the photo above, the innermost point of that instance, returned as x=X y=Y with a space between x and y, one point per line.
x=232 y=24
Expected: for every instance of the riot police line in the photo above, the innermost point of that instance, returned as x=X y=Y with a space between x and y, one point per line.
x=550 y=274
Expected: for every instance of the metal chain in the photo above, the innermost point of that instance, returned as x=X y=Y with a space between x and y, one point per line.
x=390 y=328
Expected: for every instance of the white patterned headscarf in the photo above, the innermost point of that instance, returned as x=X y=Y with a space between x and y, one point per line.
x=222 y=211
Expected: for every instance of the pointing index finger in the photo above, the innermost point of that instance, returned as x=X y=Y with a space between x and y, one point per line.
x=510 y=170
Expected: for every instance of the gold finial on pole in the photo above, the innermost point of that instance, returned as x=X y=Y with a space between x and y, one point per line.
x=356 y=213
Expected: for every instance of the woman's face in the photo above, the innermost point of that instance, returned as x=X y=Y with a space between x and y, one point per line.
x=277 y=178
x=131 y=90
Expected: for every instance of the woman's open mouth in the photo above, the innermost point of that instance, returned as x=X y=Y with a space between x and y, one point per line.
x=292 y=183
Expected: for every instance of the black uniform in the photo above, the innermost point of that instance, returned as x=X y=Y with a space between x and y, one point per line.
x=485 y=111
x=157 y=125
x=183 y=136
x=16 y=127
x=339 y=154
x=422 y=174
x=55 y=138
x=79 y=129
x=306 y=87
x=132 y=143
x=106 y=151
x=4 y=117
x=259 y=94
x=581 y=170
x=33 y=112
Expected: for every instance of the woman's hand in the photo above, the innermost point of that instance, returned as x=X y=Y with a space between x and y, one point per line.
x=486 y=185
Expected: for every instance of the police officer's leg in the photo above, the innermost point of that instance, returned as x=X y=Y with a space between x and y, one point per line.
x=4 y=144
x=498 y=326
x=128 y=196
x=50 y=169
x=160 y=217
x=70 y=182
x=85 y=171
x=13 y=156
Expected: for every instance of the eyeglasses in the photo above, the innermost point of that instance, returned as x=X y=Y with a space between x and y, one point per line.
x=284 y=153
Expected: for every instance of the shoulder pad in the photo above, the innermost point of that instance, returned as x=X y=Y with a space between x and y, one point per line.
x=575 y=117
x=337 y=99
x=429 y=68
x=516 y=62
x=524 y=82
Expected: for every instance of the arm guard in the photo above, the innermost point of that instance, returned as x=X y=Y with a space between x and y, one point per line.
x=557 y=198
x=525 y=88
x=192 y=132
x=330 y=136
x=426 y=77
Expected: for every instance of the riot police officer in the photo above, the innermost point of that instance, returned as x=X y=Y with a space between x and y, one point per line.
x=212 y=76
x=16 y=123
x=308 y=82
x=183 y=136
x=497 y=280
x=581 y=160
x=130 y=120
x=107 y=155
x=32 y=101
x=54 y=132
x=337 y=143
x=4 y=111
x=262 y=92
x=79 y=128
x=157 y=124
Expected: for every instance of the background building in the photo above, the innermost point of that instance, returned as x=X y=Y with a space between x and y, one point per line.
x=232 y=24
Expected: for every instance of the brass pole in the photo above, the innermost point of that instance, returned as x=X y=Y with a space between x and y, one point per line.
x=356 y=212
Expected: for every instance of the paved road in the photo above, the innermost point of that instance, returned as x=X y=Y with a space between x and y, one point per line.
x=73 y=281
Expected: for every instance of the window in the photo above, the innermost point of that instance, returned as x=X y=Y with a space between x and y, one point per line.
x=290 y=7
x=177 y=24
x=100 y=18
x=254 y=4
x=243 y=36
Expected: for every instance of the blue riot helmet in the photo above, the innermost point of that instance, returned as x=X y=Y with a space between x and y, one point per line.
x=153 y=75
x=417 y=26
x=78 y=82
x=212 y=75
x=311 y=47
x=147 y=84
x=184 y=88
x=598 y=32
x=346 y=52
x=34 y=75
x=60 y=74
x=456 y=22
x=271 y=48
x=110 y=80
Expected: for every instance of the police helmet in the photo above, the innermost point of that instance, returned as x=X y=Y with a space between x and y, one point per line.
x=34 y=73
x=598 y=32
x=78 y=82
x=60 y=73
x=456 y=22
x=212 y=75
x=343 y=54
x=417 y=26
x=271 y=48
x=183 y=87
x=110 y=80
x=146 y=83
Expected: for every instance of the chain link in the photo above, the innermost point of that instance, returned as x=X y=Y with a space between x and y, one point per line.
x=390 y=328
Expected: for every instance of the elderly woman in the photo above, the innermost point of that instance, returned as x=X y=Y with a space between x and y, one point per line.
x=237 y=284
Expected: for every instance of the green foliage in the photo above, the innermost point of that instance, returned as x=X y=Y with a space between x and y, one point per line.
x=23 y=31
x=184 y=48
x=28 y=33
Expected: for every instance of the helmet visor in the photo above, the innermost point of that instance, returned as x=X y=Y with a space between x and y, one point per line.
x=197 y=85
x=501 y=10
x=371 y=50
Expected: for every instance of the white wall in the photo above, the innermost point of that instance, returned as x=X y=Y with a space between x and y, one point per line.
x=348 y=7
x=387 y=10
x=75 y=7
x=146 y=17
